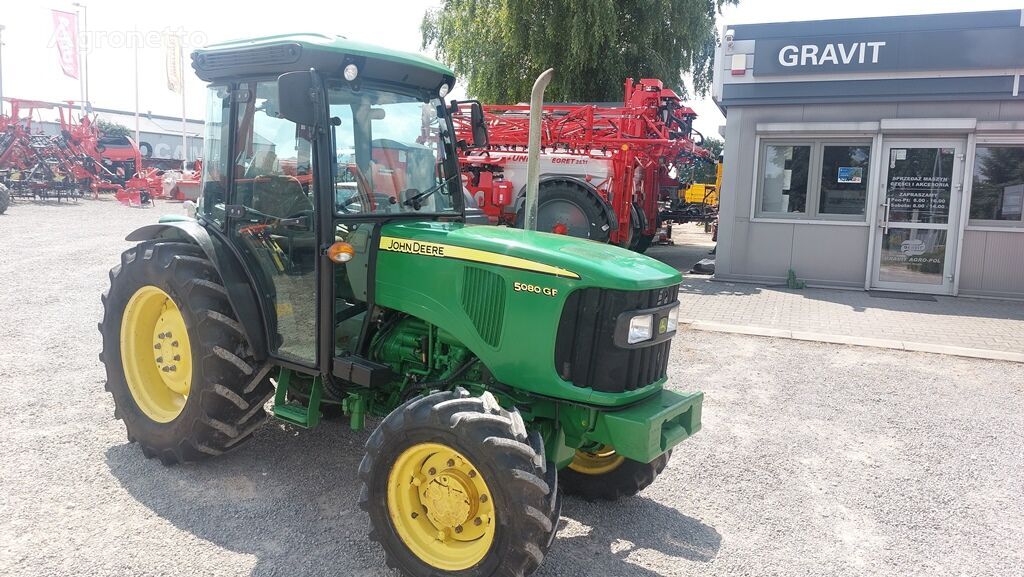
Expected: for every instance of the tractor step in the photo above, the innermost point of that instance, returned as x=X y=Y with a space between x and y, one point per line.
x=292 y=412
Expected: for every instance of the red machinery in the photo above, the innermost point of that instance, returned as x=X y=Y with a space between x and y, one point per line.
x=76 y=160
x=604 y=169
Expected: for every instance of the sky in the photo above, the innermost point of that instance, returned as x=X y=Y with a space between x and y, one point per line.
x=31 y=69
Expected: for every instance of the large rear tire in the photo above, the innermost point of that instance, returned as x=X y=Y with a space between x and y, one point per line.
x=455 y=484
x=178 y=364
x=5 y=199
x=565 y=207
x=608 y=476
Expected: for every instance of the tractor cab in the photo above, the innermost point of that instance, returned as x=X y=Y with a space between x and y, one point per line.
x=319 y=155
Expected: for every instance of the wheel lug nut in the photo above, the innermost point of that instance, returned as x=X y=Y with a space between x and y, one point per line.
x=458 y=528
x=177 y=357
x=160 y=359
x=161 y=336
x=451 y=462
x=472 y=474
x=168 y=334
x=415 y=514
x=432 y=471
x=174 y=368
x=477 y=521
x=483 y=498
x=156 y=346
x=173 y=344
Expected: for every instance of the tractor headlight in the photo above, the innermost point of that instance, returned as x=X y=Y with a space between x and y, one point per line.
x=641 y=328
x=673 y=319
x=350 y=72
x=443 y=91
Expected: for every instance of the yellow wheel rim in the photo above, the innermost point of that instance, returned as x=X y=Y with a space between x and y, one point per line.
x=604 y=460
x=156 y=354
x=441 y=507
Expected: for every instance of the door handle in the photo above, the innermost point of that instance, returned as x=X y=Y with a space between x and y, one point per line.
x=298 y=221
x=885 y=218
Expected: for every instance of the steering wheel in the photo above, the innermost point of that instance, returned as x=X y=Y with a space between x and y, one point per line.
x=377 y=198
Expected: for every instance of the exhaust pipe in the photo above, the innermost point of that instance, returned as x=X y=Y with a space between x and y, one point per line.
x=533 y=148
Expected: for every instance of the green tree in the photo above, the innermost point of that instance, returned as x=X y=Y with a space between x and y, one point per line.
x=500 y=46
x=108 y=128
x=705 y=171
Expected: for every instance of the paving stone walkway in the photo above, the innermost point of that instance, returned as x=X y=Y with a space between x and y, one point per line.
x=984 y=328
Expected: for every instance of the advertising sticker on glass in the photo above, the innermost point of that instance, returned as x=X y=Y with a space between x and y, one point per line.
x=850 y=175
x=918 y=187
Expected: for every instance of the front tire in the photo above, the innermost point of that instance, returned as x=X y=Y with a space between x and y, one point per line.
x=178 y=364
x=604 y=475
x=454 y=484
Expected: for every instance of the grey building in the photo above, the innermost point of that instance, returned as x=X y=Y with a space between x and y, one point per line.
x=159 y=135
x=875 y=153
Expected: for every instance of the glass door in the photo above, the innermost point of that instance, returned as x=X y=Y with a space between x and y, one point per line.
x=917 y=220
x=272 y=219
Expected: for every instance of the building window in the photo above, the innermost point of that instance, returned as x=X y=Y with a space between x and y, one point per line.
x=784 y=187
x=998 y=191
x=820 y=179
x=844 y=182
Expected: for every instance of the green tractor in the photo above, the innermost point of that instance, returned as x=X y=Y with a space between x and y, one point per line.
x=330 y=266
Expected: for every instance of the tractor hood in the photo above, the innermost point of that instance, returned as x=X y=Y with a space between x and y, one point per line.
x=594 y=264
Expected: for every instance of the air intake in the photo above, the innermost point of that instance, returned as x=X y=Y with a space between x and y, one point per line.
x=483 y=299
x=264 y=56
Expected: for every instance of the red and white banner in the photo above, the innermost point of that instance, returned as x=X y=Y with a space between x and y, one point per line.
x=65 y=37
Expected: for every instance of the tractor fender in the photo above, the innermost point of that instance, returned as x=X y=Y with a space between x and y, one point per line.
x=234 y=276
x=609 y=212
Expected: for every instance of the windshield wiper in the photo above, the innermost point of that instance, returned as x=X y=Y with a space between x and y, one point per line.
x=414 y=201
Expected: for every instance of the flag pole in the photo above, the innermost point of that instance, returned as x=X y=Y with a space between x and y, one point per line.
x=184 y=126
x=78 y=53
x=137 y=94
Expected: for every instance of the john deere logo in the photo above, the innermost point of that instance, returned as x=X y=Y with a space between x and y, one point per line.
x=663 y=326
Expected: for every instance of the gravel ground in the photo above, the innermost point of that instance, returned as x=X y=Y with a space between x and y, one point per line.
x=814 y=459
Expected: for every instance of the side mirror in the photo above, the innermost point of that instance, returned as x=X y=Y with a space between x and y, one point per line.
x=477 y=124
x=297 y=96
x=476 y=121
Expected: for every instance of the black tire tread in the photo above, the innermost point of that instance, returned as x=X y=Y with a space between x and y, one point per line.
x=5 y=199
x=625 y=481
x=477 y=421
x=228 y=407
x=600 y=229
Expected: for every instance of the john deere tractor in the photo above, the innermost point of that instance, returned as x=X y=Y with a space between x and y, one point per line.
x=330 y=267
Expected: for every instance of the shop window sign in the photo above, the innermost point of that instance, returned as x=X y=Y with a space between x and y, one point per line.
x=919 y=184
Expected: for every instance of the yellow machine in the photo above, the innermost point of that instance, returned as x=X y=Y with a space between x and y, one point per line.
x=700 y=193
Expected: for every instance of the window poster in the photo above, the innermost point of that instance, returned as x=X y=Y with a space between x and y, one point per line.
x=850 y=175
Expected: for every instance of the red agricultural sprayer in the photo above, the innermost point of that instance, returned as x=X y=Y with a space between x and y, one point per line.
x=604 y=169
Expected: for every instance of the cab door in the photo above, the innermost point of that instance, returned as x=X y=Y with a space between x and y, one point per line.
x=272 y=221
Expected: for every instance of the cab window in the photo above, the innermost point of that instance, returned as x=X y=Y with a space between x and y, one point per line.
x=389 y=156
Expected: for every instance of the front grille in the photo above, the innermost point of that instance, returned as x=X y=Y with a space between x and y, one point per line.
x=585 y=351
x=483 y=299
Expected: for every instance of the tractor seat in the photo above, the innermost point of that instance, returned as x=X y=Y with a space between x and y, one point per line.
x=282 y=196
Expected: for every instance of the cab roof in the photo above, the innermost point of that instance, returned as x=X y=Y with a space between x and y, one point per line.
x=273 y=55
